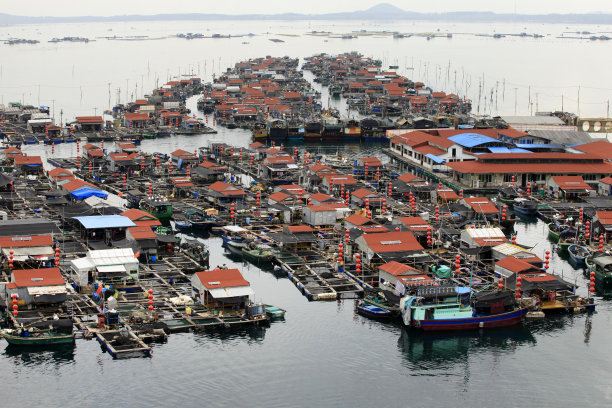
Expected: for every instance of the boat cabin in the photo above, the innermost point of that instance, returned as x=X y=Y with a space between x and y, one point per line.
x=160 y=209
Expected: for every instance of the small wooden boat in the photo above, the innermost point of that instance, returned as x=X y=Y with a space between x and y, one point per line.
x=553 y=232
x=373 y=312
x=274 y=312
x=260 y=254
x=578 y=253
x=36 y=338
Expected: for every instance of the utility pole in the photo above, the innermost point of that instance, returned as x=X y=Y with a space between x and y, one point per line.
x=515 y=94
x=578 y=100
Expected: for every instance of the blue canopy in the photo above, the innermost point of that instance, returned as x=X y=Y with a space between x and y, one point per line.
x=88 y=192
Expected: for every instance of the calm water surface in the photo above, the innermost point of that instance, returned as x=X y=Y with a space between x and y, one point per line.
x=325 y=354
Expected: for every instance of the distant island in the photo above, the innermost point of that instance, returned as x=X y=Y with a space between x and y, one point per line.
x=383 y=11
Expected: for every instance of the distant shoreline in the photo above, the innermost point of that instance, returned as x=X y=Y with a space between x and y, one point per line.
x=373 y=14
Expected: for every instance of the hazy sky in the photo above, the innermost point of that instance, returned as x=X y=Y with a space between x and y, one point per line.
x=118 y=7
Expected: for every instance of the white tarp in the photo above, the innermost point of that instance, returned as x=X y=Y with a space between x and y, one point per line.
x=46 y=290
x=231 y=292
x=111 y=268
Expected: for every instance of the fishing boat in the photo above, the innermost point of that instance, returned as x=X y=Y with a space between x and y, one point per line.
x=567 y=237
x=373 y=312
x=295 y=132
x=602 y=266
x=553 y=294
x=383 y=299
x=578 y=253
x=197 y=219
x=195 y=248
x=351 y=131
x=525 y=206
x=274 y=312
x=332 y=130
x=36 y=337
x=259 y=131
x=451 y=309
x=507 y=195
x=258 y=254
x=277 y=130
x=312 y=131
x=160 y=209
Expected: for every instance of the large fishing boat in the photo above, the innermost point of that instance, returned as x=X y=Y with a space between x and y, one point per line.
x=160 y=209
x=277 y=130
x=453 y=308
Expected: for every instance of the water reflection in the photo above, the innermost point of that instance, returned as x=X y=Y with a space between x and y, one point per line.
x=252 y=335
x=47 y=356
x=552 y=324
x=434 y=351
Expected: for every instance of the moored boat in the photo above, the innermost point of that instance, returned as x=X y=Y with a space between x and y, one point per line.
x=277 y=130
x=578 y=253
x=383 y=299
x=373 y=312
x=36 y=338
x=312 y=131
x=260 y=254
x=450 y=309
x=525 y=206
x=274 y=312
x=602 y=266
x=160 y=209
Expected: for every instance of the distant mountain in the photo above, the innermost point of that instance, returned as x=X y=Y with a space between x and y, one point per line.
x=382 y=11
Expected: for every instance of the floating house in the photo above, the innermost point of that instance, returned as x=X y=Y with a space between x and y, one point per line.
x=101 y=231
x=385 y=247
x=37 y=286
x=117 y=266
x=221 y=289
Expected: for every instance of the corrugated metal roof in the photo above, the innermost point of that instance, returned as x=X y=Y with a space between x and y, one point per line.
x=105 y=221
x=562 y=136
x=485 y=232
x=533 y=120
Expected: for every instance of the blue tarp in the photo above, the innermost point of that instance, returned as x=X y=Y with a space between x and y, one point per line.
x=88 y=192
x=462 y=290
x=105 y=221
x=539 y=146
x=435 y=159
x=472 y=139
x=499 y=149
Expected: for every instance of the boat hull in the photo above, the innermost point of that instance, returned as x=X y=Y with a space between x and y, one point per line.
x=38 y=341
x=374 y=312
x=473 y=323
